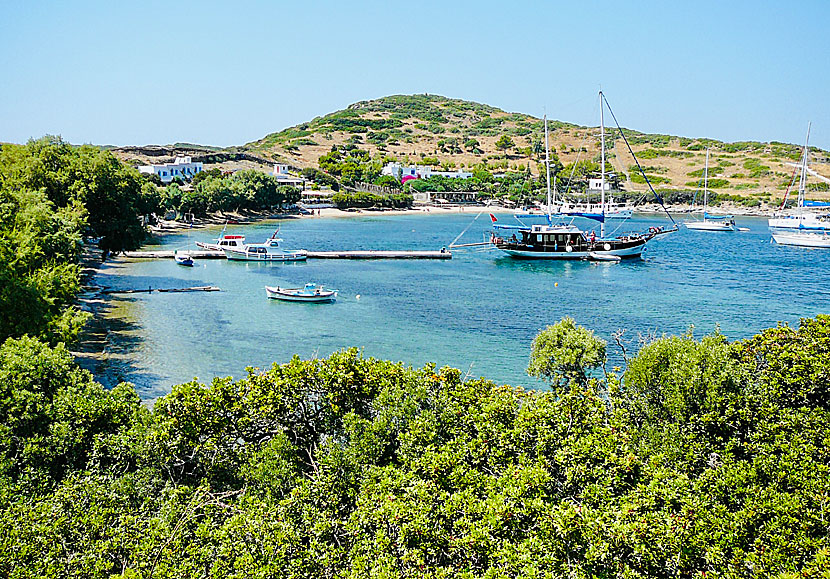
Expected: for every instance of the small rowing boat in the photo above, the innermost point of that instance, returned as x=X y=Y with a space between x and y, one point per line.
x=311 y=292
x=183 y=259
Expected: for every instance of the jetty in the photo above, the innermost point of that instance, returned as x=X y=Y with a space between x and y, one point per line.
x=348 y=254
x=378 y=254
x=149 y=290
x=195 y=254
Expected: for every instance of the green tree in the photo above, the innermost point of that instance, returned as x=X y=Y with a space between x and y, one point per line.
x=504 y=143
x=565 y=353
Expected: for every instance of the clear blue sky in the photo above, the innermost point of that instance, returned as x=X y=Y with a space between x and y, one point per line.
x=226 y=73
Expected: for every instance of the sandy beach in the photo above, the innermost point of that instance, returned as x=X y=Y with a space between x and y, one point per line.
x=330 y=212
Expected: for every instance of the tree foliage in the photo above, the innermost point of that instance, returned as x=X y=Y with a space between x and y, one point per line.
x=112 y=194
x=247 y=190
x=51 y=194
x=565 y=353
x=703 y=458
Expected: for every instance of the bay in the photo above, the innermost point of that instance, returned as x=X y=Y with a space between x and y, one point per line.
x=477 y=312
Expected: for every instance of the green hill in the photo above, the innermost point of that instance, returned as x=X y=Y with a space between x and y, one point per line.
x=453 y=133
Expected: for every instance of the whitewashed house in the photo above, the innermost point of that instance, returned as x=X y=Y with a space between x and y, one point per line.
x=421 y=172
x=182 y=168
x=285 y=178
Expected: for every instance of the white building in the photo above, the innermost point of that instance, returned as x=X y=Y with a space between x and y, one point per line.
x=421 y=172
x=595 y=184
x=182 y=168
x=282 y=175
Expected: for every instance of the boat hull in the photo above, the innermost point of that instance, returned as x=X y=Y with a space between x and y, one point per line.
x=298 y=295
x=625 y=251
x=801 y=239
x=708 y=226
x=806 y=230
x=234 y=255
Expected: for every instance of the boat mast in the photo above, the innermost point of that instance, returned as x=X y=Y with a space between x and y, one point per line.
x=706 y=184
x=602 y=174
x=547 y=162
x=802 y=183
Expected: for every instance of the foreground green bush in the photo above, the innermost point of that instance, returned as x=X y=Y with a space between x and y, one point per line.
x=704 y=458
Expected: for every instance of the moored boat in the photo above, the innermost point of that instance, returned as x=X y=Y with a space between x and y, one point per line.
x=184 y=259
x=566 y=240
x=710 y=222
x=224 y=242
x=803 y=227
x=268 y=251
x=310 y=292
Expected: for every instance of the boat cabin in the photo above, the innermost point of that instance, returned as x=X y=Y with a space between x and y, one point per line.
x=546 y=238
x=231 y=241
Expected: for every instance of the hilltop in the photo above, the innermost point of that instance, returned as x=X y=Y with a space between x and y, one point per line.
x=454 y=133
x=458 y=133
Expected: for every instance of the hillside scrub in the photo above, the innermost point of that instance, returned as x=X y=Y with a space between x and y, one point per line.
x=409 y=127
x=703 y=458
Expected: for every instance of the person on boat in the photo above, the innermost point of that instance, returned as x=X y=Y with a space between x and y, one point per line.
x=593 y=236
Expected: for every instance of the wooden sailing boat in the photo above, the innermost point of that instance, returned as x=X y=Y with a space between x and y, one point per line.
x=566 y=240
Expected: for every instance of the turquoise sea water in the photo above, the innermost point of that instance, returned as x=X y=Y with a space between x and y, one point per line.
x=477 y=312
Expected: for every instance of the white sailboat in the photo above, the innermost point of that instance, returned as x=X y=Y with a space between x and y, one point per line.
x=803 y=227
x=710 y=222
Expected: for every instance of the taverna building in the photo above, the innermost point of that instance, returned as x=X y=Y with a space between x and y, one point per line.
x=421 y=172
x=183 y=168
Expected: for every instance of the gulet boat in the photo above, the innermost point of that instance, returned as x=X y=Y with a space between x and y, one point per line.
x=564 y=240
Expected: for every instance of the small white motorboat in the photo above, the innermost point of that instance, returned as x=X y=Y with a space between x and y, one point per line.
x=597 y=256
x=224 y=242
x=184 y=259
x=268 y=251
x=311 y=292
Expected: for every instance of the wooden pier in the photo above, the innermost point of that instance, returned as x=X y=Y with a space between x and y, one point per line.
x=377 y=254
x=359 y=254
x=149 y=290
x=195 y=254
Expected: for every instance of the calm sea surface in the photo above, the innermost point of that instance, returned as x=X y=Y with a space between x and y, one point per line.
x=477 y=312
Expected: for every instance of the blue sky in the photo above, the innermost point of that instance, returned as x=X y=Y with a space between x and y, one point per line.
x=226 y=73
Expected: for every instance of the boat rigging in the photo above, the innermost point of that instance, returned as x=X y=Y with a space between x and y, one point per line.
x=566 y=240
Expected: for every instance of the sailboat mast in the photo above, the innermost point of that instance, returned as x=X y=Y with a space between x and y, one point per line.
x=706 y=184
x=547 y=161
x=802 y=183
x=602 y=160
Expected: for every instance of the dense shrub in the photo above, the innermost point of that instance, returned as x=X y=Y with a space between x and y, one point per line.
x=703 y=458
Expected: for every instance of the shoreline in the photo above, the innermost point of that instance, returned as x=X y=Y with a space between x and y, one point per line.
x=97 y=349
x=165 y=227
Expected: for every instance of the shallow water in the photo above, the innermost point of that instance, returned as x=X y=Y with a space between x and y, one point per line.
x=478 y=312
